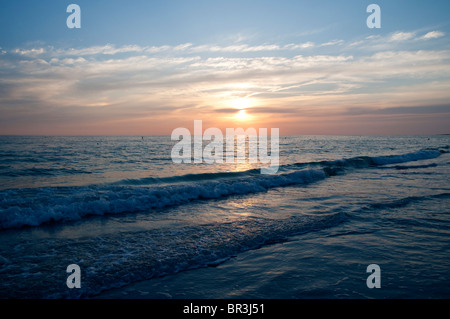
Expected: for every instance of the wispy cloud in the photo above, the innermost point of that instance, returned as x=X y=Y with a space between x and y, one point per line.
x=398 y=40
x=185 y=48
x=375 y=43
x=109 y=83
x=401 y=36
x=433 y=35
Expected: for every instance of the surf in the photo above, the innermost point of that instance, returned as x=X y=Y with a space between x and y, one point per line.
x=34 y=207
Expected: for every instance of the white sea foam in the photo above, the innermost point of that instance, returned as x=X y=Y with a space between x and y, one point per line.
x=33 y=207
x=415 y=156
x=50 y=204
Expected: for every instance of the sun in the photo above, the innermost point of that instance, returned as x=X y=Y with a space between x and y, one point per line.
x=242 y=115
x=242 y=103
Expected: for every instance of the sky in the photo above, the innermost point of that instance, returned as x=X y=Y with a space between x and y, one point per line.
x=148 y=67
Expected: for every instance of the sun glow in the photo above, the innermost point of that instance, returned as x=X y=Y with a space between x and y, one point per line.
x=242 y=115
x=240 y=108
x=242 y=103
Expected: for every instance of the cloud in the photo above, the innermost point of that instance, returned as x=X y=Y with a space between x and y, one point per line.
x=184 y=48
x=421 y=109
x=305 y=45
x=331 y=43
x=433 y=35
x=117 y=83
x=30 y=52
x=107 y=49
x=393 y=41
x=75 y=78
x=401 y=36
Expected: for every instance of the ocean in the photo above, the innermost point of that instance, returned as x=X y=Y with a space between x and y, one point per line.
x=139 y=225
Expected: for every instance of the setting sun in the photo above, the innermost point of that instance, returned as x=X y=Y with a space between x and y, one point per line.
x=242 y=115
x=243 y=103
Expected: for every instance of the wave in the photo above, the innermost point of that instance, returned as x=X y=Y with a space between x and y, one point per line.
x=115 y=260
x=403 y=167
x=34 y=171
x=33 y=207
x=72 y=203
x=406 y=201
x=185 y=178
x=415 y=156
x=330 y=167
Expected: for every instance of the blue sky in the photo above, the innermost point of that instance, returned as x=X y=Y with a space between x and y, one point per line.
x=147 y=67
x=160 y=22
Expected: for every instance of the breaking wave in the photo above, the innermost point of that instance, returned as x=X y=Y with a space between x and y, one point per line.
x=33 y=207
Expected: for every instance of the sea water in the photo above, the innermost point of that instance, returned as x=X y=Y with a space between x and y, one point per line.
x=120 y=209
